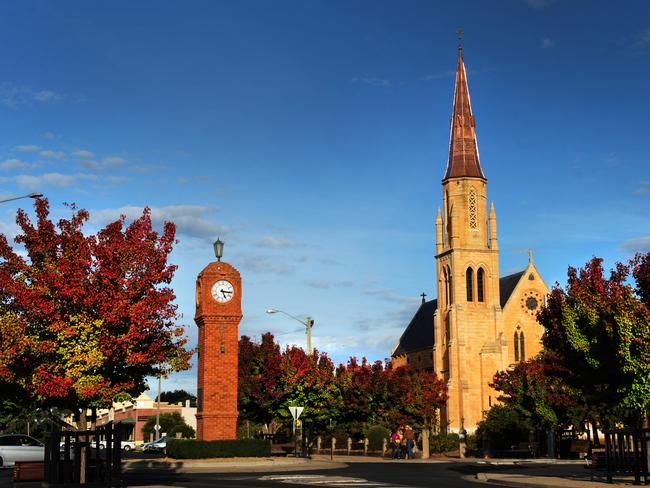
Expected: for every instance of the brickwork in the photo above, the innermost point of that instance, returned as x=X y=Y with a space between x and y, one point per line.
x=218 y=324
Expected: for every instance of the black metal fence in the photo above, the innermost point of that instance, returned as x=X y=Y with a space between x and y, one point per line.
x=627 y=453
x=99 y=450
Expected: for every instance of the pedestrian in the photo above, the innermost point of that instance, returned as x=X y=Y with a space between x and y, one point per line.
x=410 y=441
x=395 y=443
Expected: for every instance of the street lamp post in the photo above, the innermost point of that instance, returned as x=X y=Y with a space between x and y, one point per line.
x=308 y=323
x=29 y=195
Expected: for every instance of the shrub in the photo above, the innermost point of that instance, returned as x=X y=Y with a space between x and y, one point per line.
x=503 y=427
x=376 y=435
x=441 y=443
x=194 y=449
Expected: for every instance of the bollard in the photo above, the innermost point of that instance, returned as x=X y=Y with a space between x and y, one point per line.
x=333 y=447
x=349 y=445
x=426 y=452
x=383 y=447
x=365 y=446
x=318 y=442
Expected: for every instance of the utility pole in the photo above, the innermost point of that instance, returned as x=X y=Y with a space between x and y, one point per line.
x=157 y=427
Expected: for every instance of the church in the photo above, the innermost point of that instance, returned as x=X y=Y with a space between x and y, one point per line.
x=480 y=323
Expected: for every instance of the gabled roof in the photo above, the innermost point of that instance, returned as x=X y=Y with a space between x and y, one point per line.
x=419 y=333
x=507 y=285
x=463 y=147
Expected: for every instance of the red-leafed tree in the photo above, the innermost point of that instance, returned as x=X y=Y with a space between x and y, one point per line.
x=599 y=328
x=259 y=378
x=86 y=318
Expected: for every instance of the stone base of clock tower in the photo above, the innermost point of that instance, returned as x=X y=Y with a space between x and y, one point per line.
x=216 y=426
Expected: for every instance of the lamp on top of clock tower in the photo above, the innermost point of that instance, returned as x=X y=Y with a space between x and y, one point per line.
x=218 y=249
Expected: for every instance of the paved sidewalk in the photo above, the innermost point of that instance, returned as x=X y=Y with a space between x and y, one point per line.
x=550 y=475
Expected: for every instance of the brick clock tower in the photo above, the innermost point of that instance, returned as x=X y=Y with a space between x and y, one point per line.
x=218 y=313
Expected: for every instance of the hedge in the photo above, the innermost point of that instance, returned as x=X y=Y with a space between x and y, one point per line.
x=194 y=449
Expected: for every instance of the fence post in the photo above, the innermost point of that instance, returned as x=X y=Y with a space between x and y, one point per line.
x=383 y=447
x=318 y=441
x=333 y=447
x=349 y=445
x=365 y=446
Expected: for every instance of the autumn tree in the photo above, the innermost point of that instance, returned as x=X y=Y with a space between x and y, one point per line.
x=537 y=392
x=258 y=381
x=86 y=318
x=599 y=329
x=349 y=398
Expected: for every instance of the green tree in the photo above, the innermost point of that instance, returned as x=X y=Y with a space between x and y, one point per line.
x=170 y=424
x=178 y=396
x=599 y=329
x=537 y=391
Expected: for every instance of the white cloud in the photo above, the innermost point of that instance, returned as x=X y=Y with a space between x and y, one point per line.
x=436 y=76
x=547 y=43
x=83 y=154
x=317 y=284
x=388 y=295
x=49 y=135
x=15 y=164
x=46 y=96
x=113 y=161
x=643 y=187
x=13 y=96
x=638 y=244
x=27 y=148
x=117 y=179
x=190 y=220
x=643 y=40
x=35 y=182
x=275 y=243
x=373 y=81
x=48 y=153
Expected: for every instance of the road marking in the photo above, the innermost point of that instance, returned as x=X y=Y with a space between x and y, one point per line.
x=323 y=480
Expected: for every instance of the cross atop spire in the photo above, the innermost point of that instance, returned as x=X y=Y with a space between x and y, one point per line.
x=463 y=148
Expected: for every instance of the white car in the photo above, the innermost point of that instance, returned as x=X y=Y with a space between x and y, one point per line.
x=19 y=447
x=126 y=445
x=157 y=445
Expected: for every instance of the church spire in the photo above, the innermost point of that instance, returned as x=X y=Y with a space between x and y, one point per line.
x=463 y=148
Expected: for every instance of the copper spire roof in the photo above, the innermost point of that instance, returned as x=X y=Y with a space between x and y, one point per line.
x=463 y=148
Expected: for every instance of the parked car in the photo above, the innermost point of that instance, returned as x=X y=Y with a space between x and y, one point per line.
x=157 y=445
x=126 y=445
x=19 y=447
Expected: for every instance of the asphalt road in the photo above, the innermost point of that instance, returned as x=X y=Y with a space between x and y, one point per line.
x=379 y=475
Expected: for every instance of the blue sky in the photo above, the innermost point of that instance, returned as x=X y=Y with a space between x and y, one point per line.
x=311 y=136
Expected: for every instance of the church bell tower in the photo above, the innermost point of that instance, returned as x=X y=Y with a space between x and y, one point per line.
x=468 y=343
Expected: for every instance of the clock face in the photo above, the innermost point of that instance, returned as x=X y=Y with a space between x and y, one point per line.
x=223 y=291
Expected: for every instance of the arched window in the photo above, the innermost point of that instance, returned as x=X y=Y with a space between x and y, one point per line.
x=469 y=278
x=522 y=346
x=479 y=284
x=516 y=341
x=450 y=287
x=473 y=221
